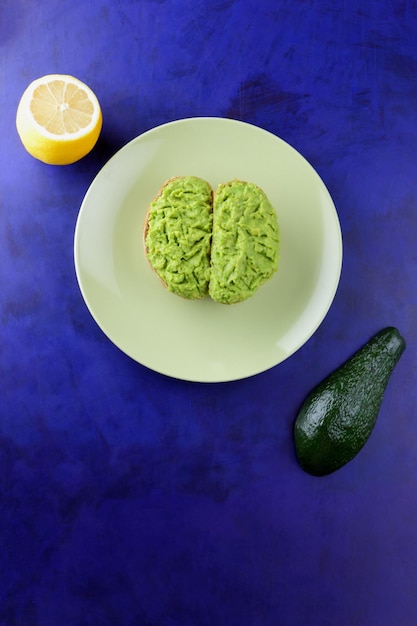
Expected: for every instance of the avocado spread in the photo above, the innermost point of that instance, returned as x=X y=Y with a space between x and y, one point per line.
x=245 y=242
x=178 y=236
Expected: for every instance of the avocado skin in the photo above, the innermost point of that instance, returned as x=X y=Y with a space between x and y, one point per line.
x=338 y=416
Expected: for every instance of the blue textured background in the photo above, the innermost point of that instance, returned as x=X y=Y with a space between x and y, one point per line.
x=131 y=499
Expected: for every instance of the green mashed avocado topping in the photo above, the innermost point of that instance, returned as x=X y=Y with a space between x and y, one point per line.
x=225 y=247
x=245 y=243
x=178 y=236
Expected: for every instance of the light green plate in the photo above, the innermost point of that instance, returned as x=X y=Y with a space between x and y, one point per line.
x=202 y=340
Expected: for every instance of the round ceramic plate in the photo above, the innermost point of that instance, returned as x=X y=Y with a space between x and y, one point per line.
x=201 y=340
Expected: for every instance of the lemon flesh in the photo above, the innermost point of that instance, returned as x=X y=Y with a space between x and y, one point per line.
x=58 y=119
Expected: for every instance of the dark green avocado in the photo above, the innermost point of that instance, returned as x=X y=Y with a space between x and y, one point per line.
x=339 y=415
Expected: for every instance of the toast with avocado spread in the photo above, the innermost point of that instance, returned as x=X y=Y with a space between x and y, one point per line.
x=225 y=245
x=245 y=242
x=177 y=235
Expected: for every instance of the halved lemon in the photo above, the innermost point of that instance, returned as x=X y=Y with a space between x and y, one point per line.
x=58 y=119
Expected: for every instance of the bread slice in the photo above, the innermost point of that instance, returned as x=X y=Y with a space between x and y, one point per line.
x=245 y=242
x=177 y=235
x=225 y=244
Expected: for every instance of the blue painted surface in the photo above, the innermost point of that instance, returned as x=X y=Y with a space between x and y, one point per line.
x=128 y=498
